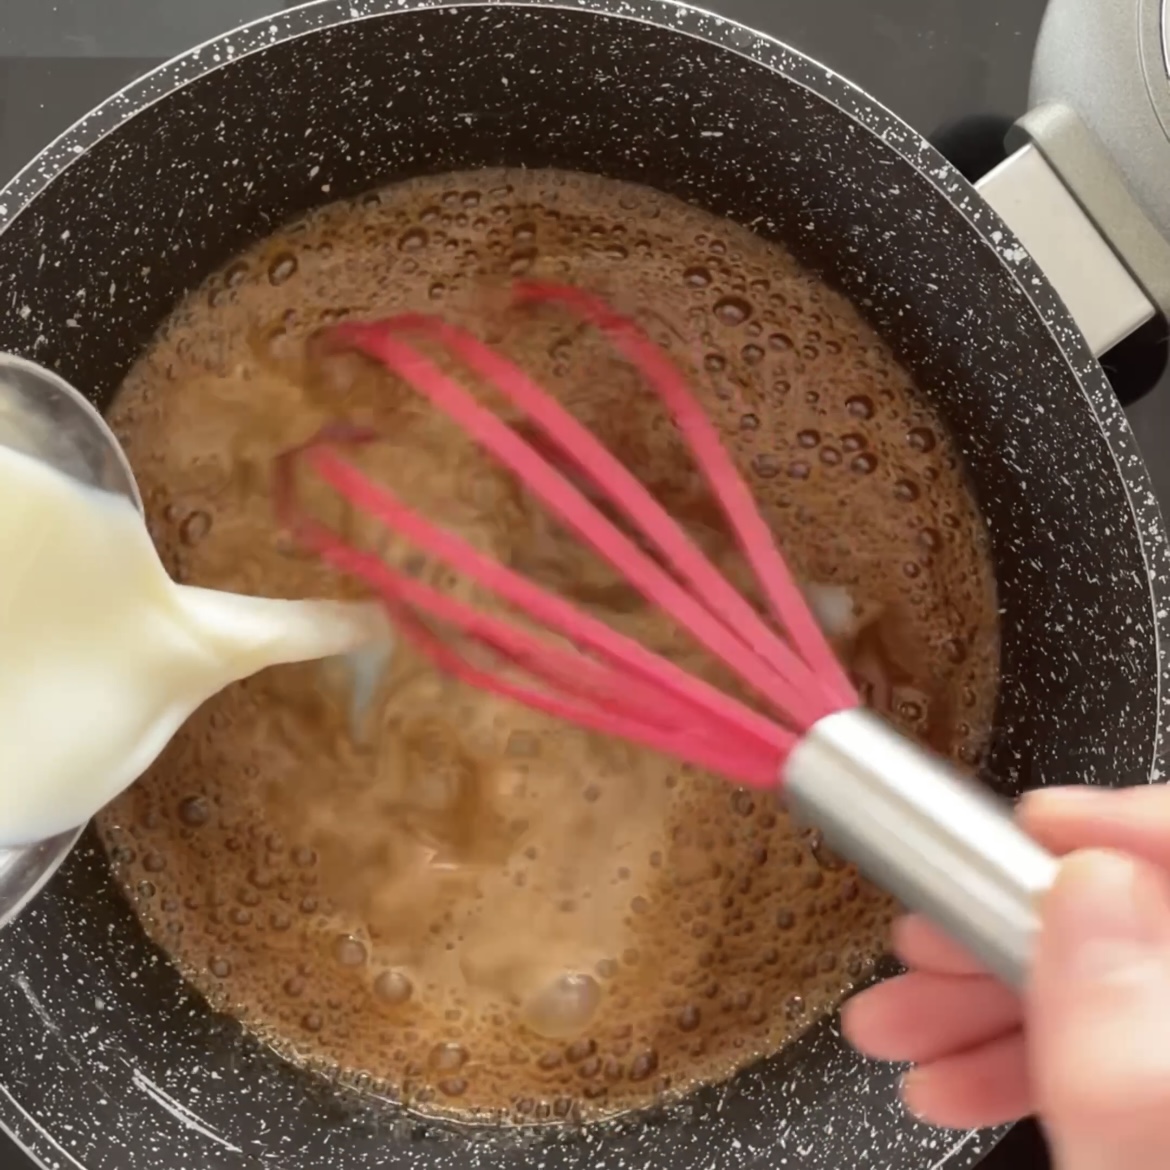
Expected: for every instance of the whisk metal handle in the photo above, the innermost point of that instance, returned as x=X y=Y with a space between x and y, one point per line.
x=939 y=843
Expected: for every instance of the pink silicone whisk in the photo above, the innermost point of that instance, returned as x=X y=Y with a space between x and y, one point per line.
x=906 y=817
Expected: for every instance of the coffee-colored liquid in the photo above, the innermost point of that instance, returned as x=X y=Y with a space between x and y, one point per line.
x=470 y=905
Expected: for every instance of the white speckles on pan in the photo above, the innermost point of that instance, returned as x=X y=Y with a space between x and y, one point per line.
x=106 y=1061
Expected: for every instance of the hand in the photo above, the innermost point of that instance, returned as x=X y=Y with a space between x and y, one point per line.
x=1087 y=1046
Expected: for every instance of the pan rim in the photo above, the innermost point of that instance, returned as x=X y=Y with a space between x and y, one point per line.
x=317 y=16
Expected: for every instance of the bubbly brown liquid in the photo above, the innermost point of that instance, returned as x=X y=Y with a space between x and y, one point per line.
x=468 y=905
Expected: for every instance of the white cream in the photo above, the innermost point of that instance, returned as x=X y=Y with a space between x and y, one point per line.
x=104 y=656
x=833 y=607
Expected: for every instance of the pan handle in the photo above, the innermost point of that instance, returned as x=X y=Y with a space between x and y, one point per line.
x=1068 y=204
x=940 y=843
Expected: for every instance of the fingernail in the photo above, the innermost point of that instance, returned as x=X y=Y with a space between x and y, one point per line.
x=911 y=1083
x=1106 y=916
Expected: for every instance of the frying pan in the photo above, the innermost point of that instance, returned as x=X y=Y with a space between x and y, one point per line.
x=107 y=1060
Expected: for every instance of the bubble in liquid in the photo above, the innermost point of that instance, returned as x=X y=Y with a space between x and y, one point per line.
x=732 y=310
x=393 y=987
x=742 y=803
x=195 y=527
x=580 y=1050
x=749 y=422
x=798 y=469
x=823 y=855
x=350 y=951
x=413 y=240
x=752 y=354
x=697 y=276
x=448 y=1057
x=194 y=812
x=860 y=406
x=220 y=968
x=766 y=466
x=154 y=862
x=864 y=464
x=921 y=438
x=521 y=262
x=282 y=268
x=644 y=1065
x=808 y=438
x=906 y=491
x=955 y=650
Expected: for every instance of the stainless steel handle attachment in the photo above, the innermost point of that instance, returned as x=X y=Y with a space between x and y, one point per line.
x=940 y=843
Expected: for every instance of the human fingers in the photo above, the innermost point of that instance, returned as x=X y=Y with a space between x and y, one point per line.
x=922 y=945
x=921 y=1017
x=1098 y=1014
x=1130 y=820
x=984 y=1086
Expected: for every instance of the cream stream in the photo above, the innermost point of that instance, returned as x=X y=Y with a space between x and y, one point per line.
x=105 y=656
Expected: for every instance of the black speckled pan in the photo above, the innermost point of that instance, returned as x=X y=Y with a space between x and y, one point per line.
x=106 y=1060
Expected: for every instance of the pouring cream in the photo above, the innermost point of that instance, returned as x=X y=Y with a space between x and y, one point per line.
x=105 y=656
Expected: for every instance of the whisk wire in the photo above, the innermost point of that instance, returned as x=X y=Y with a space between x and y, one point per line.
x=601 y=680
x=735 y=497
x=789 y=692
x=688 y=719
x=598 y=465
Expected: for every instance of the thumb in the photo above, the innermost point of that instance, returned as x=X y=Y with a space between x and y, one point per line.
x=1099 y=1015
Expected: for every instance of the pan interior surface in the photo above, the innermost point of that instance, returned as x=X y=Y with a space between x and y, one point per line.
x=478 y=908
